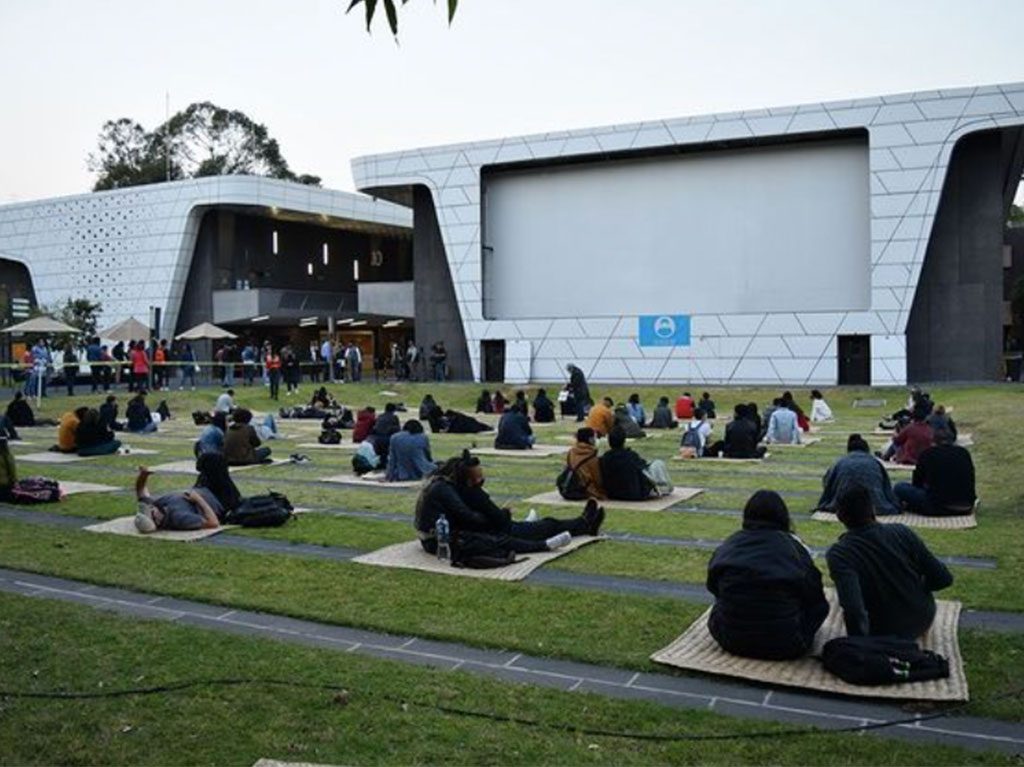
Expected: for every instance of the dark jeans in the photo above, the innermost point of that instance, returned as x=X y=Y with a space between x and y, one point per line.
x=262 y=454
x=917 y=501
x=783 y=645
x=275 y=383
x=581 y=409
x=103 y=448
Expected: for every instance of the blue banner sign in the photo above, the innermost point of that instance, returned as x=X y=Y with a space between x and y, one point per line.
x=665 y=330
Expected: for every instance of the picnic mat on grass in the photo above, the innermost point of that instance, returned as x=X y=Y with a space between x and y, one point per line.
x=891 y=466
x=808 y=441
x=721 y=459
x=678 y=495
x=319 y=446
x=537 y=451
x=126 y=526
x=411 y=556
x=373 y=479
x=73 y=488
x=48 y=457
x=960 y=522
x=189 y=466
x=696 y=650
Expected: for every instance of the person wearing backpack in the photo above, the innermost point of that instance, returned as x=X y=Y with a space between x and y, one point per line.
x=769 y=599
x=884 y=574
x=581 y=477
x=695 y=438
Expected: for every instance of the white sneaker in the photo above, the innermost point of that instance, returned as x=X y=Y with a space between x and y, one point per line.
x=558 y=541
x=532 y=516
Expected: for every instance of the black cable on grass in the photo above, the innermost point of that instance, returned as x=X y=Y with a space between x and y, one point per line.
x=174 y=687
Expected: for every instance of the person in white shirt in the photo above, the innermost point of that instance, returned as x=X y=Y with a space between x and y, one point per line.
x=225 y=402
x=820 y=411
x=783 y=428
x=696 y=433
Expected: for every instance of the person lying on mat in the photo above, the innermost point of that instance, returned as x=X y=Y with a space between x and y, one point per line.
x=543 y=408
x=409 y=456
x=858 y=468
x=662 y=416
x=943 y=481
x=582 y=460
x=514 y=432
x=707 y=405
x=140 y=419
x=625 y=475
x=820 y=411
x=483 y=402
x=454 y=422
x=93 y=437
x=67 y=431
x=783 y=427
x=478 y=527
x=741 y=437
x=601 y=418
x=211 y=438
x=242 y=445
x=769 y=601
x=884 y=574
x=195 y=509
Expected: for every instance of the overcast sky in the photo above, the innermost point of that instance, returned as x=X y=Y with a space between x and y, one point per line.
x=328 y=91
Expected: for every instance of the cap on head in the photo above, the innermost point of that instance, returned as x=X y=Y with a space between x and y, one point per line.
x=144 y=521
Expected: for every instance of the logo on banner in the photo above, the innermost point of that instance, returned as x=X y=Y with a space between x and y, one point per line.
x=664 y=330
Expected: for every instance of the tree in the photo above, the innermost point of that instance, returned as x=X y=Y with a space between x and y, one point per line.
x=1016 y=216
x=201 y=140
x=79 y=313
x=391 y=11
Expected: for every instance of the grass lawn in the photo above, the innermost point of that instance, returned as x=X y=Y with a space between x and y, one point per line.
x=549 y=621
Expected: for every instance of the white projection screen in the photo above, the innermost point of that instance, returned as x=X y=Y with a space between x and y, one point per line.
x=760 y=229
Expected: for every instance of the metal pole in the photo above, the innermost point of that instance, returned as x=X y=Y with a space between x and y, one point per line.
x=330 y=337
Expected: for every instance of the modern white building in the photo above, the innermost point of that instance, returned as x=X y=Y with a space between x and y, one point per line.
x=856 y=241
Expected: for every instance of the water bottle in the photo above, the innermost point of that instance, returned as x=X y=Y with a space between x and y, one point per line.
x=443 y=532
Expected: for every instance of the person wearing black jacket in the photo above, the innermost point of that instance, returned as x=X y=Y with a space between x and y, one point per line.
x=769 y=601
x=741 y=437
x=943 y=482
x=479 y=527
x=543 y=408
x=93 y=437
x=623 y=471
x=662 y=418
x=20 y=413
x=579 y=391
x=483 y=402
x=140 y=420
x=108 y=414
x=514 y=432
x=884 y=574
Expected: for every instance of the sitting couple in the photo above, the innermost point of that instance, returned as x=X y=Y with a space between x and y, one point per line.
x=620 y=474
x=769 y=600
x=482 y=532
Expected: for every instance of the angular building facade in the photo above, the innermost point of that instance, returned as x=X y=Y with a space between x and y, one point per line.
x=852 y=242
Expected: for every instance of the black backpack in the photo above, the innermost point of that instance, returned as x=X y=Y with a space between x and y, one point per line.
x=329 y=437
x=569 y=484
x=270 y=510
x=201 y=418
x=882 y=660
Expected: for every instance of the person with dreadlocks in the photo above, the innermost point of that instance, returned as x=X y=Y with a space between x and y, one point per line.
x=480 y=531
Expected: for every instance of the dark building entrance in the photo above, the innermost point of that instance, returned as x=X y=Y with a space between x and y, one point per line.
x=854 y=360
x=492 y=354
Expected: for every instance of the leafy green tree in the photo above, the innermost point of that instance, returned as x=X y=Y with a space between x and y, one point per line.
x=1016 y=216
x=391 y=11
x=201 y=140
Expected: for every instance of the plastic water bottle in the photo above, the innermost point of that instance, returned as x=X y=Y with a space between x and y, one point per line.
x=443 y=532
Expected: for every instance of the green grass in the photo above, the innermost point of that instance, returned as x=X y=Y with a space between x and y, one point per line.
x=539 y=620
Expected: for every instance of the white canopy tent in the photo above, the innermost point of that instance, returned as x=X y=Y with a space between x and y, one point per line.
x=204 y=331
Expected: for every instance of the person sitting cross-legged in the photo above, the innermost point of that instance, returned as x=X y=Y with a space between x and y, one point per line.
x=943 y=481
x=820 y=411
x=225 y=402
x=93 y=437
x=912 y=440
x=741 y=437
x=662 y=416
x=108 y=414
x=583 y=460
x=139 y=417
x=783 y=427
x=514 y=432
x=769 y=601
x=625 y=475
x=601 y=418
x=884 y=574
x=409 y=456
x=858 y=468
x=211 y=438
x=478 y=527
x=67 y=431
x=543 y=408
x=242 y=445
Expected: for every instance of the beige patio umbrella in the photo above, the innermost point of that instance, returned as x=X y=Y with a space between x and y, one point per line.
x=125 y=330
x=42 y=324
x=204 y=330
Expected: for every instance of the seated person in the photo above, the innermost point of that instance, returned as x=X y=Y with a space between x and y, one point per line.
x=479 y=527
x=523 y=402
x=582 y=459
x=601 y=418
x=195 y=509
x=625 y=422
x=884 y=574
x=67 y=432
x=820 y=411
x=917 y=400
x=454 y=422
x=366 y=419
x=108 y=414
x=365 y=459
x=802 y=421
x=758 y=421
x=20 y=413
x=624 y=472
x=769 y=601
x=567 y=403
x=7 y=430
x=783 y=427
x=409 y=456
x=543 y=408
x=684 y=407
x=695 y=436
x=225 y=402
x=499 y=402
x=741 y=437
x=426 y=405
x=514 y=432
x=140 y=419
x=912 y=440
x=93 y=437
x=483 y=402
x=943 y=482
x=215 y=477
x=242 y=445
x=636 y=410
x=322 y=400
x=858 y=468
x=707 y=405
x=662 y=417
x=211 y=438
x=388 y=423
x=8 y=471
x=939 y=420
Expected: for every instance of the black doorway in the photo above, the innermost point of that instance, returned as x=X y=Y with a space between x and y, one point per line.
x=854 y=360
x=493 y=356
